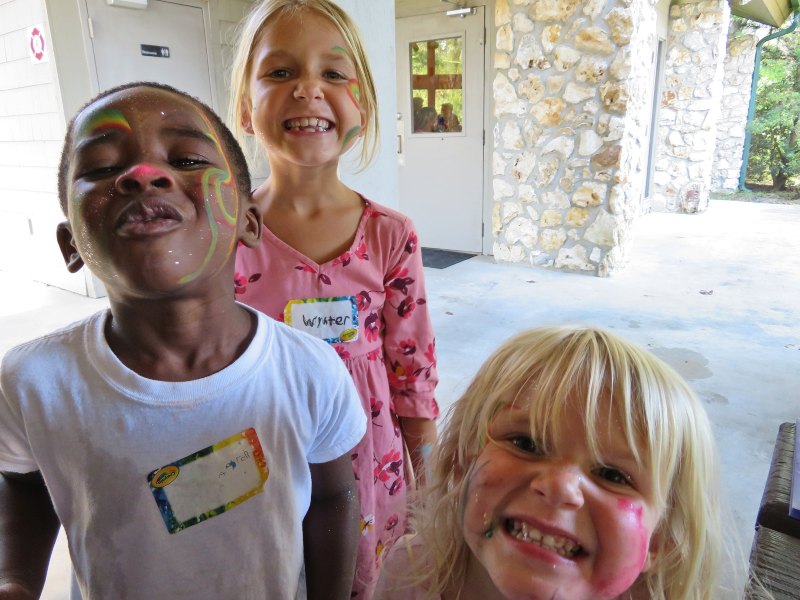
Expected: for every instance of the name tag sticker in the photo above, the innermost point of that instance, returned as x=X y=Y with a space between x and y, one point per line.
x=334 y=320
x=210 y=481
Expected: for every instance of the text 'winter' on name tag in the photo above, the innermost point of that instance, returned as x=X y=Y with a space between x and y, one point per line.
x=334 y=320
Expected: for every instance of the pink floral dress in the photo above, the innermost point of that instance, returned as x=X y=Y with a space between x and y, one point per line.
x=369 y=303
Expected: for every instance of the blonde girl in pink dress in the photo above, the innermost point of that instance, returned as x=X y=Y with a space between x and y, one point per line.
x=332 y=263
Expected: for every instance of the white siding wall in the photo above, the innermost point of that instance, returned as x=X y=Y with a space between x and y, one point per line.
x=375 y=19
x=36 y=101
x=229 y=13
x=31 y=132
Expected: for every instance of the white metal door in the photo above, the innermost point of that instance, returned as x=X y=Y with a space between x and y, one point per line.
x=166 y=43
x=441 y=164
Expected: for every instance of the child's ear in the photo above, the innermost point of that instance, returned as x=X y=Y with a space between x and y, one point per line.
x=650 y=560
x=66 y=242
x=654 y=551
x=247 y=115
x=363 y=123
x=252 y=225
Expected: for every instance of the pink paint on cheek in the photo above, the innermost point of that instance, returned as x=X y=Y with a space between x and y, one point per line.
x=629 y=566
x=634 y=512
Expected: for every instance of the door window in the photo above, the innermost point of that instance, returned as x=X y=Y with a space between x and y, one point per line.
x=437 y=85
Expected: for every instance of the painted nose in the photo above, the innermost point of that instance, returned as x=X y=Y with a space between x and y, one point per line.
x=559 y=485
x=143 y=176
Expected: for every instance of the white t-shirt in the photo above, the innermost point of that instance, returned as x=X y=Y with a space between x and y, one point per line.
x=190 y=489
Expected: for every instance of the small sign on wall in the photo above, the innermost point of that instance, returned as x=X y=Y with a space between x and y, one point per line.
x=37 y=44
x=157 y=51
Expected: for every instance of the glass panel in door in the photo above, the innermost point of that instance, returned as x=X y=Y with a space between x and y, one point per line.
x=437 y=85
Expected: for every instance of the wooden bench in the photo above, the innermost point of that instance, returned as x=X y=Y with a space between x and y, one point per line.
x=774 y=510
x=775 y=555
x=775 y=563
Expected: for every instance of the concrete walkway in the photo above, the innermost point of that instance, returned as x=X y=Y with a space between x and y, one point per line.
x=716 y=295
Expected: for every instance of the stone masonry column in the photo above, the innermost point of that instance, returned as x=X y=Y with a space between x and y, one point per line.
x=738 y=77
x=690 y=105
x=570 y=102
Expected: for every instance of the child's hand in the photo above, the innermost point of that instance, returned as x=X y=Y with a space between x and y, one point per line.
x=28 y=529
x=419 y=436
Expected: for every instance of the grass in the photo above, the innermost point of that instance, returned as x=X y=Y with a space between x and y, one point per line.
x=760 y=195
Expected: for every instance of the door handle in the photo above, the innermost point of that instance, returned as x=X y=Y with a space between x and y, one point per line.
x=399 y=144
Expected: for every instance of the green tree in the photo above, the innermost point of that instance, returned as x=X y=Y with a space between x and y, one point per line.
x=447 y=59
x=775 y=141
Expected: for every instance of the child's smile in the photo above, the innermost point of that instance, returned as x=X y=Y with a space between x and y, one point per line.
x=308 y=125
x=557 y=524
x=546 y=538
x=151 y=197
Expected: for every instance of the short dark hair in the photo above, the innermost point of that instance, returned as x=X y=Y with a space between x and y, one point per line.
x=230 y=145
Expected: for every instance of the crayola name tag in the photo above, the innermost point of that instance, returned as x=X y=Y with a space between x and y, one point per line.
x=210 y=481
x=334 y=320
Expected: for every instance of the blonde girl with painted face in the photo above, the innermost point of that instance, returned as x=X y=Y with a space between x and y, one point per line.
x=333 y=263
x=575 y=466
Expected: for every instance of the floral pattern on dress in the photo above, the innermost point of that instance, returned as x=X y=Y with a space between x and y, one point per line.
x=392 y=362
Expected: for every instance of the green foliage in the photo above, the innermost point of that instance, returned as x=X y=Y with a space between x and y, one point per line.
x=775 y=130
x=447 y=60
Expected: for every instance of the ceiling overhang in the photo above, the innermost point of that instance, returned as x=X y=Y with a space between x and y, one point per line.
x=769 y=12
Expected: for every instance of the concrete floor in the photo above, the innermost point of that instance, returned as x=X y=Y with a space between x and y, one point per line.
x=716 y=295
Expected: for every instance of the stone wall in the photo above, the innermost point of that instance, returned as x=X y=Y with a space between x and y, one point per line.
x=737 y=79
x=690 y=105
x=571 y=82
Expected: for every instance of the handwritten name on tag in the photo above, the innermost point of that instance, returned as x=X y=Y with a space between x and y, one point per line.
x=334 y=320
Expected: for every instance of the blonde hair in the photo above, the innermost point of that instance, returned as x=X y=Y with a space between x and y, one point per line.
x=665 y=426
x=249 y=34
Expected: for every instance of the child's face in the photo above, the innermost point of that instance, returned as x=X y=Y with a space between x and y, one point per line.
x=305 y=100
x=558 y=525
x=152 y=201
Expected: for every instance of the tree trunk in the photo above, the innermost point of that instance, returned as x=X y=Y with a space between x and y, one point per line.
x=779 y=182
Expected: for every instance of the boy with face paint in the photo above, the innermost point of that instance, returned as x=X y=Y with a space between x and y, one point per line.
x=190 y=446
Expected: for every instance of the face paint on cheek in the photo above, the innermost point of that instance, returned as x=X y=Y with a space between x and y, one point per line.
x=350 y=136
x=354 y=91
x=633 y=512
x=212 y=183
x=630 y=566
x=353 y=86
x=487 y=526
x=105 y=120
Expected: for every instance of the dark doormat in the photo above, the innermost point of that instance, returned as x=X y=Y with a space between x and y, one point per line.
x=441 y=259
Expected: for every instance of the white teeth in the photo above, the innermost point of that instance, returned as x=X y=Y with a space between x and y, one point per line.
x=526 y=533
x=308 y=124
